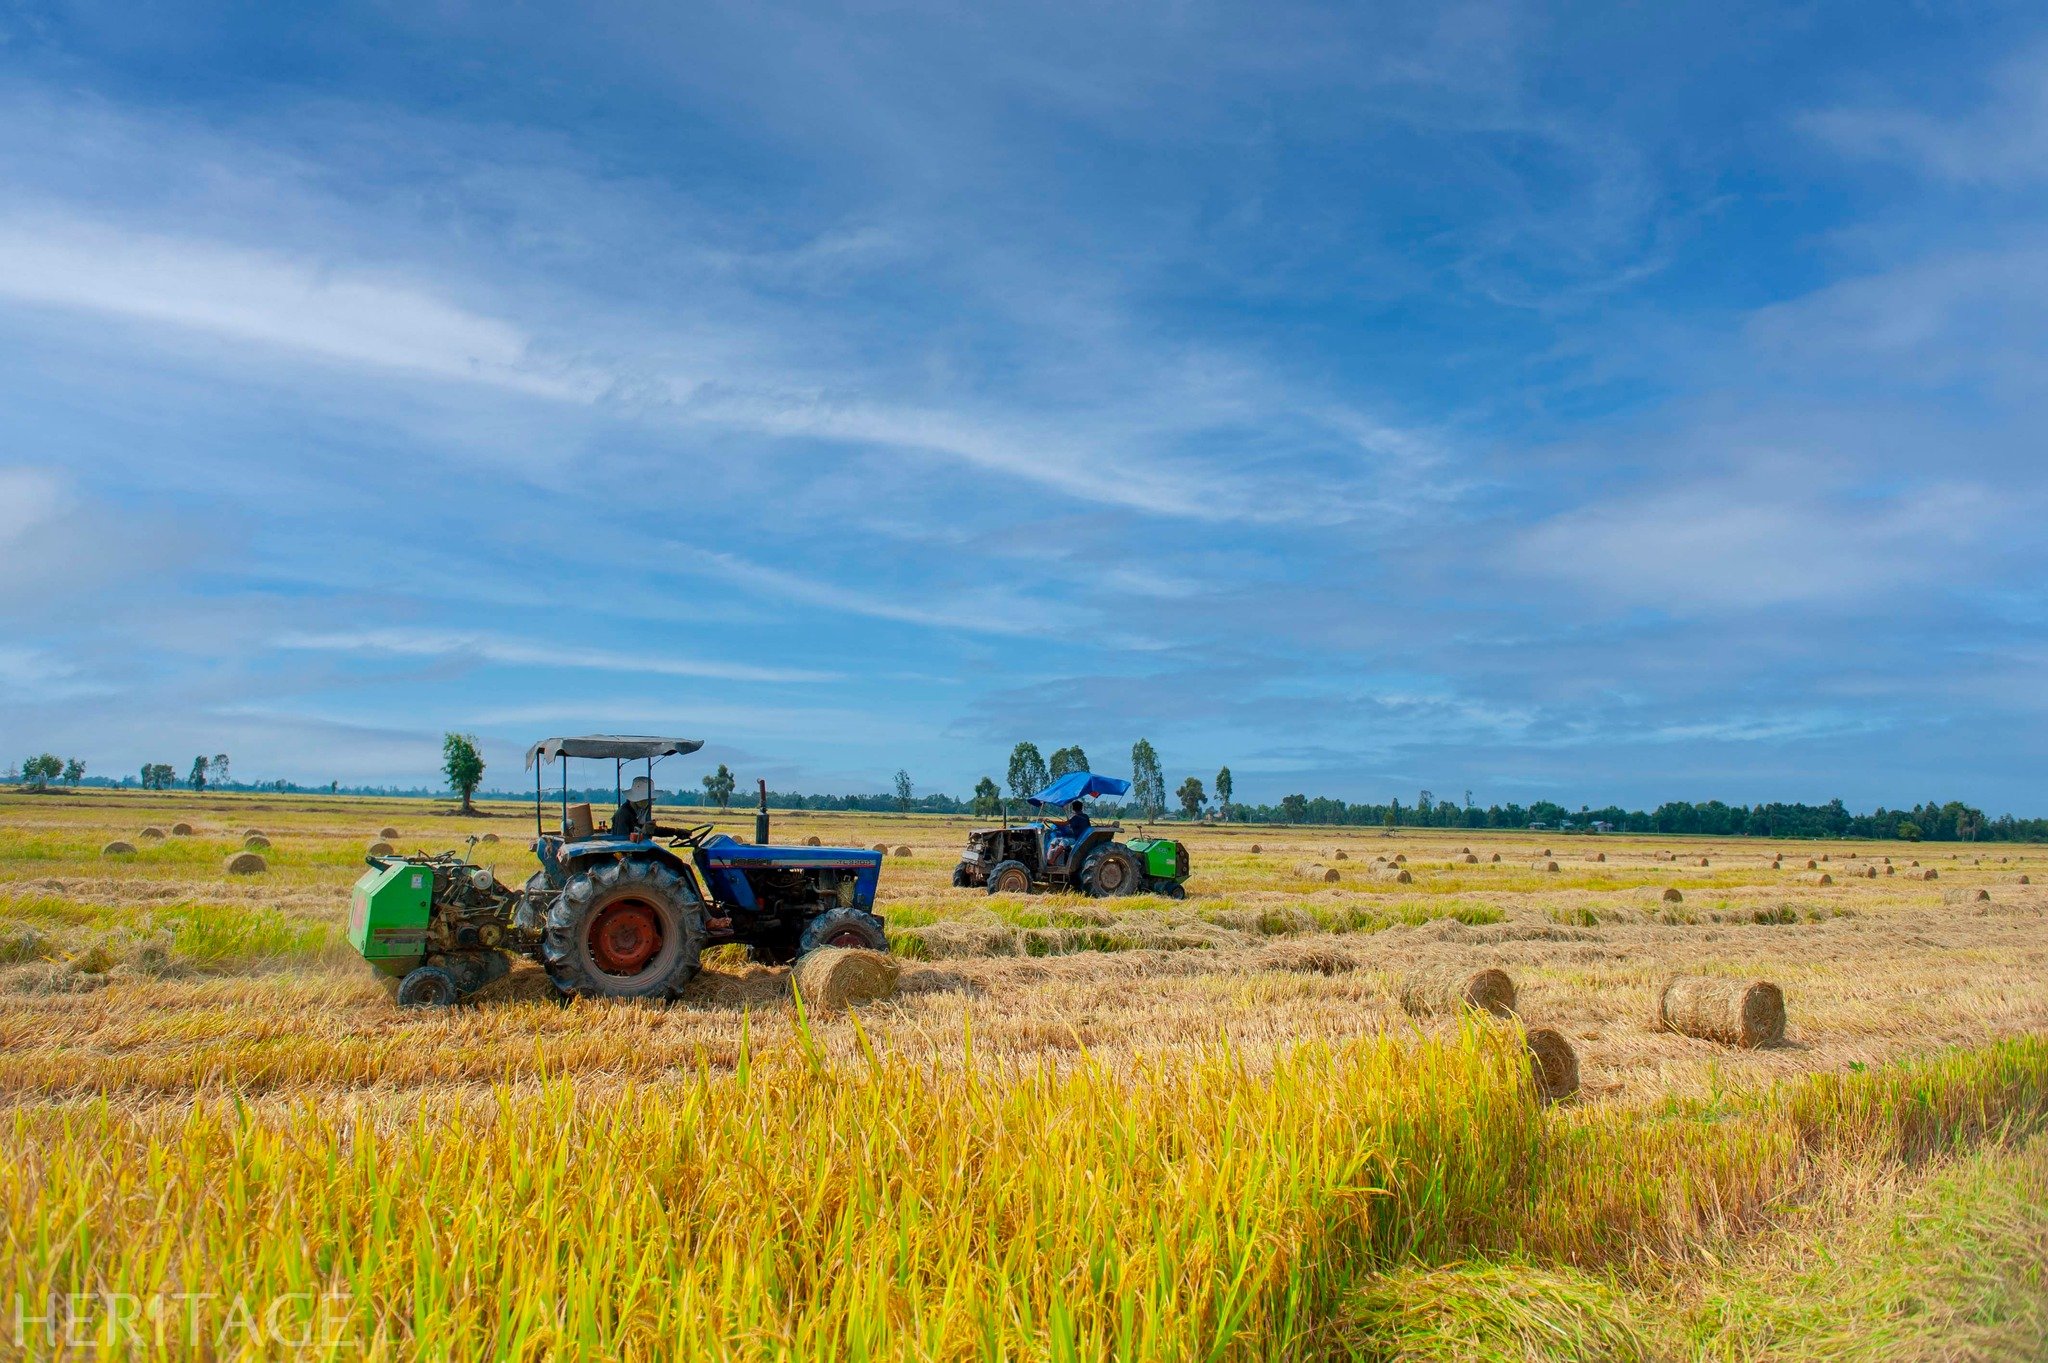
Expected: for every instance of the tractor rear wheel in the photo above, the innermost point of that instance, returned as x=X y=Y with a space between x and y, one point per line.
x=1009 y=877
x=854 y=929
x=1112 y=870
x=632 y=929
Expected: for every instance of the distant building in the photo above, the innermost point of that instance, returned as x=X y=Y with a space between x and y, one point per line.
x=1601 y=826
x=1539 y=825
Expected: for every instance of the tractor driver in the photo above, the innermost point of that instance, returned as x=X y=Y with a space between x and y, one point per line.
x=1067 y=835
x=635 y=816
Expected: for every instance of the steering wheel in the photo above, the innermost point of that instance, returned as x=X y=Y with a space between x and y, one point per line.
x=693 y=835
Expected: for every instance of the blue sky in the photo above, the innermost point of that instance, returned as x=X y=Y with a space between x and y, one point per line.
x=1582 y=402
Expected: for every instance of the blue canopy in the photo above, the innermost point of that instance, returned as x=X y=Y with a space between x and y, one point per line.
x=1076 y=784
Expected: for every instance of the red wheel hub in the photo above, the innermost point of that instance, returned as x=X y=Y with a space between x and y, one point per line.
x=848 y=938
x=624 y=937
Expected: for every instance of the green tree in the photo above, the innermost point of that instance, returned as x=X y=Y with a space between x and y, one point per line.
x=988 y=798
x=1294 y=808
x=42 y=769
x=157 y=776
x=462 y=762
x=1148 y=782
x=1027 y=774
x=1223 y=792
x=74 y=772
x=220 y=768
x=903 y=790
x=718 y=785
x=1909 y=830
x=1065 y=760
x=1191 y=797
x=197 y=780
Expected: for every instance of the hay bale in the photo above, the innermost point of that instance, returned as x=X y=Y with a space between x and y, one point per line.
x=1928 y=874
x=1553 y=1064
x=387 y=833
x=1543 y=866
x=1668 y=895
x=1494 y=858
x=1255 y=849
x=1596 y=856
x=488 y=837
x=1316 y=871
x=1340 y=855
x=1964 y=896
x=1823 y=856
x=1397 y=875
x=152 y=833
x=256 y=842
x=252 y=832
x=901 y=851
x=1469 y=860
x=882 y=847
x=117 y=848
x=1747 y=1013
x=1812 y=865
x=246 y=864
x=1664 y=856
x=379 y=849
x=1401 y=858
x=1818 y=878
x=1703 y=861
x=1453 y=989
x=813 y=841
x=181 y=830
x=1891 y=870
x=1544 y=853
x=2026 y=880
x=832 y=979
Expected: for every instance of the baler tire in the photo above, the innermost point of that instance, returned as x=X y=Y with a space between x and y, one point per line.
x=1172 y=889
x=1126 y=875
x=1015 y=872
x=855 y=929
x=428 y=987
x=652 y=895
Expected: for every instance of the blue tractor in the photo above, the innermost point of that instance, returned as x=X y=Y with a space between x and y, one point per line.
x=622 y=911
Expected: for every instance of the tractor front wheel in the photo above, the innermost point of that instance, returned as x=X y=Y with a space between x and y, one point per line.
x=1112 y=871
x=853 y=929
x=428 y=987
x=1009 y=877
x=631 y=929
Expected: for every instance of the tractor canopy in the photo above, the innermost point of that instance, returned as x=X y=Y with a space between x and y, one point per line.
x=626 y=747
x=1077 y=785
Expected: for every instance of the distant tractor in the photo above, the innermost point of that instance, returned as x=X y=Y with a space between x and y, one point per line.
x=613 y=913
x=1073 y=856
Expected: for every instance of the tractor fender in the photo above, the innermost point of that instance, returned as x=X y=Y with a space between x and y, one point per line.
x=581 y=856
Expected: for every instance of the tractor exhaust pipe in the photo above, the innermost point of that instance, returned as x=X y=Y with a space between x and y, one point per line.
x=761 y=817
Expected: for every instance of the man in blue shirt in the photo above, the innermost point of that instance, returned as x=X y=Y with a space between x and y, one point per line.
x=1066 y=835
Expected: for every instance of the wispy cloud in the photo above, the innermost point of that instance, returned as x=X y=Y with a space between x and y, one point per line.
x=459 y=646
x=983 y=610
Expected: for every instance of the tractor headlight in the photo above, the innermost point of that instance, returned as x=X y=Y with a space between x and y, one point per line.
x=480 y=878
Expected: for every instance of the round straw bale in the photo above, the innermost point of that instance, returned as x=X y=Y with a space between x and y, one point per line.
x=1890 y=869
x=1543 y=866
x=152 y=833
x=1928 y=874
x=1398 y=875
x=1668 y=895
x=1887 y=860
x=1254 y=849
x=1823 y=856
x=1401 y=857
x=252 y=832
x=1340 y=855
x=379 y=848
x=181 y=830
x=488 y=837
x=1818 y=878
x=1736 y=1012
x=1469 y=860
x=387 y=832
x=1452 y=989
x=1596 y=856
x=246 y=864
x=902 y=851
x=1315 y=871
x=1812 y=865
x=1495 y=857
x=1664 y=856
x=1912 y=863
x=1544 y=853
x=2026 y=880
x=813 y=841
x=256 y=842
x=881 y=847
x=1464 y=850
x=834 y=978
x=1703 y=861
x=1960 y=896
x=117 y=848
x=1553 y=1064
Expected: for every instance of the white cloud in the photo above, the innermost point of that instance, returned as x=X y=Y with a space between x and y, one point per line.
x=29 y=499
x=483 y=648
x=982 y=611
x=2002 y=142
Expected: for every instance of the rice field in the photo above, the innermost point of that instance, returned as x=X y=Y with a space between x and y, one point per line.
x=1133 y=1129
